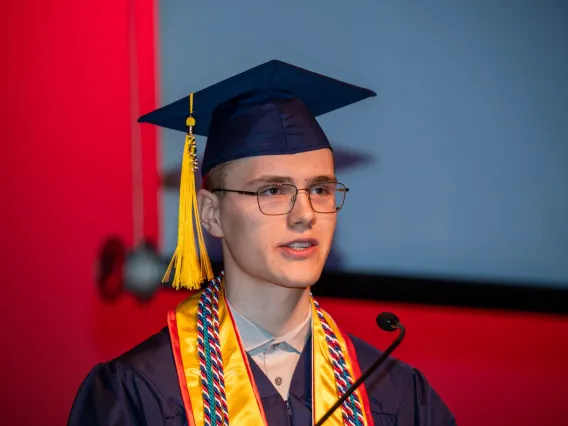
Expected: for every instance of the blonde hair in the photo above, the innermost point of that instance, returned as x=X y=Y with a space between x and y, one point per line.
x=215 y=178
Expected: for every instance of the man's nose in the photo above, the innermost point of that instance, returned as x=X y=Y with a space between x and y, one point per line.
x=302 y=211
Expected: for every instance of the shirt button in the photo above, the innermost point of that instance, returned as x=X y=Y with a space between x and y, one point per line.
x=278 y=381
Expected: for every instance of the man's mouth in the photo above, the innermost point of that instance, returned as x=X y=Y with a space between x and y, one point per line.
x=301 y=244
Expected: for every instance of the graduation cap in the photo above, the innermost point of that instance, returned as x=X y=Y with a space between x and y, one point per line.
x=270 y=109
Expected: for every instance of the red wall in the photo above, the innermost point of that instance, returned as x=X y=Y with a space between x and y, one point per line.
x=65 y=164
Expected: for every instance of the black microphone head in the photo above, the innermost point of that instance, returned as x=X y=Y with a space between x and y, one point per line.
x=387 y=321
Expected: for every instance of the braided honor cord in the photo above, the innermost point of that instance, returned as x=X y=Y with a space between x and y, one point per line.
x=215 y=408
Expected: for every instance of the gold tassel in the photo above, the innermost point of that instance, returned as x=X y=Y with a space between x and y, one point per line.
x=191 y=267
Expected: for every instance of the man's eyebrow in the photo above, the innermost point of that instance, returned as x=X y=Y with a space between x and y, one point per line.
x=288 y=179
x=271 y=179
x=322 y=178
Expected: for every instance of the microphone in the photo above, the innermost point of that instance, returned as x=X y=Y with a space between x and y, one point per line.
x=388 y=322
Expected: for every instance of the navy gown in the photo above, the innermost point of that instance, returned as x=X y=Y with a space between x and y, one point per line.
x=141 y=388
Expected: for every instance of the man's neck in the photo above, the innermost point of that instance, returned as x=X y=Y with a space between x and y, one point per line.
x=275 y=308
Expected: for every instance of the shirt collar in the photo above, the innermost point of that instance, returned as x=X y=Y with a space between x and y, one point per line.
x=255 y=337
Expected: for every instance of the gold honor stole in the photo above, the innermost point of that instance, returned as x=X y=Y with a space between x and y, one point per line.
x=243 y=399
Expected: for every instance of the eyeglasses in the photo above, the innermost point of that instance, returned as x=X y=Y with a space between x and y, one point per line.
x=279 y=198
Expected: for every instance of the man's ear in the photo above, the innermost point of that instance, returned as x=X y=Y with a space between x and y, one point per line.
x=208 y=204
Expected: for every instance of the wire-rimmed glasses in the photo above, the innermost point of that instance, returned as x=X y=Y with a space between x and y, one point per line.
x=279 y=198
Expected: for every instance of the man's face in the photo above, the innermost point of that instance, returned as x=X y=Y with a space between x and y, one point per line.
x=272 y=248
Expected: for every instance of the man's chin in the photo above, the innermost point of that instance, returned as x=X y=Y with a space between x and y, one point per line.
x=299 y=280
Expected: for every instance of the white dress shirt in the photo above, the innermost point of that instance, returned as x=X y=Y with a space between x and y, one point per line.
x=276 y=356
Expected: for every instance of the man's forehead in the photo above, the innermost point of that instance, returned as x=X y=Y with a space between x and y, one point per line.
x=301 y=166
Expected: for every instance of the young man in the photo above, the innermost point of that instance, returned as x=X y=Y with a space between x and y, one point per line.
x=252 y=347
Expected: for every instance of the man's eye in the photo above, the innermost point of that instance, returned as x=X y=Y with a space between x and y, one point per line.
x=323 y=189
x=271 y=191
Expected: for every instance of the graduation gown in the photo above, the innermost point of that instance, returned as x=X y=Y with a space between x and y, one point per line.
x=141 y=388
